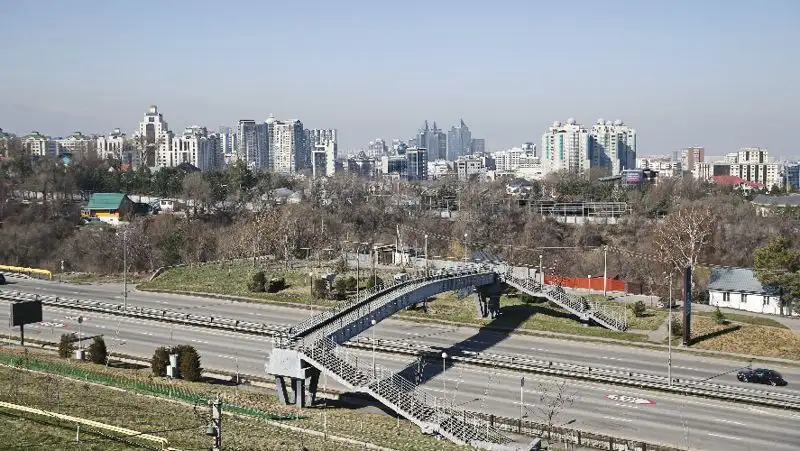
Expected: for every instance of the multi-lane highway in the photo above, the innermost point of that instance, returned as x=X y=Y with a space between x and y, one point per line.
x=684 y=365
x=670 y=419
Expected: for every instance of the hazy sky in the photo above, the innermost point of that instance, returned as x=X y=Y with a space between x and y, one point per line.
x=723 y=74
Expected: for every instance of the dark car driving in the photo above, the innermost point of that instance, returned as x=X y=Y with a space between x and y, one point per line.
x=2 y=279
x=761 y=376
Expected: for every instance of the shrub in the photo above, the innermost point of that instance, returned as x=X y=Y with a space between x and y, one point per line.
x=339 y=289
x=66 y=346
x=160 y=361
x=320 y=288
x=719 y=317
x=275 y=285
x=189 y=363
x=639 y=309
x=372 y=282
x=350 y=283
x=341 y=266
x=98 y=353
x=258 y=282
x=677 y=326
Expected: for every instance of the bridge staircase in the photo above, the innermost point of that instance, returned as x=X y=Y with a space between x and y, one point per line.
x=579 y=306
x=314 y=346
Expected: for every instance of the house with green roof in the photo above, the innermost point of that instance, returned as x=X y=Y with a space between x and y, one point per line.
x=109 y=207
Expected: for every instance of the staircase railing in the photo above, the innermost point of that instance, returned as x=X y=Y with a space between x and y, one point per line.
x=418 y=405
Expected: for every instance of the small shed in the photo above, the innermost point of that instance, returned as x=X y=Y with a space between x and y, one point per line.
x=109 y=207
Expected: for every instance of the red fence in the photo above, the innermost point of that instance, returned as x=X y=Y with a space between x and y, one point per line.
x=593 y=283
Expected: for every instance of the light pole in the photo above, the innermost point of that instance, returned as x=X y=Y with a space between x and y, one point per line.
x=541 y=274
x=605 y=270
x=426 y=256
x=125 y=269
x=465 y=248
x=669 y=338
x=521 y=397
x=311 y=285
x=444 y=367
x=373 y=348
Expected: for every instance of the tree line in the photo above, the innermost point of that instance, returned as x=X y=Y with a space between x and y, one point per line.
x=671 y=223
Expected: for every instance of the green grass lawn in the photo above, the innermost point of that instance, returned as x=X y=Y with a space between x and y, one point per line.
x=536 y=315
x=516 y=313
x=180 y=424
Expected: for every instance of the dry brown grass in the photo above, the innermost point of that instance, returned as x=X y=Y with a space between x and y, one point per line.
x=748 y=339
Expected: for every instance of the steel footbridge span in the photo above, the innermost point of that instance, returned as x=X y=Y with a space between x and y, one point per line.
x=304 y=351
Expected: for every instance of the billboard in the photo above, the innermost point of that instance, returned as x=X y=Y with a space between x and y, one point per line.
x=25 y=312
x=632 y=176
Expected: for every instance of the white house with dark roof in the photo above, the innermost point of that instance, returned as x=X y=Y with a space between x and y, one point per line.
x=738 y=288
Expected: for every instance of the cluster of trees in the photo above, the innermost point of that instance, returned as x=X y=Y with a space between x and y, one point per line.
x=189 y=367
x=96 y=352
x=675 y=222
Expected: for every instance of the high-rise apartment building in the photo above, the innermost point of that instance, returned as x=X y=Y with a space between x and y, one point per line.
x=377 y=148
x=39 y=145
x=691 y=156
x=77 y=144
x=416 y=163
x=116 y=146
x=478 y=145
x=752 y=155
x=153 y=139
x=749 y=164
x=566 y=147
x=196 y=147
x=226 y=141
x=459 y=141
x=613 y=146
x=289 y=152
x=433 y=140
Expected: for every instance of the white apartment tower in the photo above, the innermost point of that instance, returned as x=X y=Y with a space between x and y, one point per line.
x=153 y=139
x=196 y=147
x=566 y=147
x=115 y=146
x=288 y=150
x=39 y=145
x=323 y=159
x=613 y=146
x=77 y=143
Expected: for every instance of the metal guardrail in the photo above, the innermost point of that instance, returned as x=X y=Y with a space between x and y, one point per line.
x=517 y=362
x=147 y=313
x=597 y=374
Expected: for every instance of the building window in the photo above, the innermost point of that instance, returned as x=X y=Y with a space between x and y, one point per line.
x=726 y=297
x=766 y=300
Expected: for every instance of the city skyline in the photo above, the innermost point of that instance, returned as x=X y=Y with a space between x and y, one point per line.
x=718 y=80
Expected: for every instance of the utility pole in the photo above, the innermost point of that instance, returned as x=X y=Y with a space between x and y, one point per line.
x=541 y=274
x=605 y=270
x=215 y=427
x=669 y=333
x=426 y=255
x=125 y=269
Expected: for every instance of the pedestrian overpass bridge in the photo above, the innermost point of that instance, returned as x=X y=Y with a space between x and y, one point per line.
x=302 y=352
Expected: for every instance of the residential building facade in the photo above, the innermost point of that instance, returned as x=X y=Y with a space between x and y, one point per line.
x=613 y=146
x=459 y=141
x=691 y=157
x=566 y=147
x=39 y=145
x=738 y=288
x=196 y=147
x=116 y=146
x=153 y=138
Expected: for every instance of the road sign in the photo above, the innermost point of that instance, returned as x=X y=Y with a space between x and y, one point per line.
x=629 y=399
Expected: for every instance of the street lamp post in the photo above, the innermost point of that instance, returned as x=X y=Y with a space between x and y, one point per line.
x=426 y=256
x=311 y=284
x=358 y=269
x=541 y=274
x=465 y=248
x=125 y=269
x=669 y=338
x=444 y=368
x=605 y=270
x=373 y=348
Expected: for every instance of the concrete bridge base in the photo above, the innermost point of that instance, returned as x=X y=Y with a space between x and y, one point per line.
x=303 y=379
x=487 y=300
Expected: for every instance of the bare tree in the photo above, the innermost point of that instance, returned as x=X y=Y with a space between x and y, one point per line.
x=683 y=235
x=551 y=404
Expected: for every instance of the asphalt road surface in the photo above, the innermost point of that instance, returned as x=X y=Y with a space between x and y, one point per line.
x=696 y=424
x=684 y=365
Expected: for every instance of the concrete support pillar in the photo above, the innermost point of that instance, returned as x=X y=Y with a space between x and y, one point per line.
x=280 y=389
x=494 y=305
x=313 y=384
x=299 y=387
x=481 y=306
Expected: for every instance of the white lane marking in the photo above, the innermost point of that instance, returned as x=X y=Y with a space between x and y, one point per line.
x=729 y=422
x=609 y=417
x=730 y=437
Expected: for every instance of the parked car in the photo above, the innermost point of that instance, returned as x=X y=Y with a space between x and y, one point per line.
x=761 y=376
x=2 y=279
